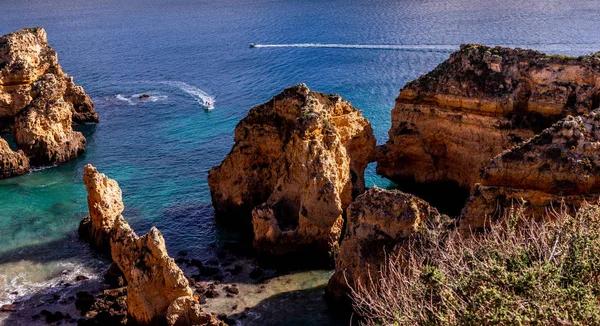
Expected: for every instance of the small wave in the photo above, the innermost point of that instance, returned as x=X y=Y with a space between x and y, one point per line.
x=430 y=48
x=201 y=96
x=136 y=99
x=20 y=287
x=124 y=99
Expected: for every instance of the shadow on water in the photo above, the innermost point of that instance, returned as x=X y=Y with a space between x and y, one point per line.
x=302 y=307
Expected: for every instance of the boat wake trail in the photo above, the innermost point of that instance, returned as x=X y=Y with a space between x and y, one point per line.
x=201 y=96
x=429 y=48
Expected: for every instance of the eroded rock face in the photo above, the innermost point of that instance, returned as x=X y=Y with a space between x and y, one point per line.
x=296 y=161
x=12 y=163
x=25 y=57
x=157 y=290
x=448 y=124
x=105 y=204
x=38 y=101
x=43 y=130
x=379 y=223
x=560 y=165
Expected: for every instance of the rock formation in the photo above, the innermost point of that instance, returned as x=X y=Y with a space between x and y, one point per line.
x=448 y=124
x=105 y=204
x=38 y=101
x=296 y=161
x=560 y=165
x=12 y=163
x=157 y=290
x=379 y=223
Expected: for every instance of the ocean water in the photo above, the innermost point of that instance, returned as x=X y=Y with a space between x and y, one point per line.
x=183 y=51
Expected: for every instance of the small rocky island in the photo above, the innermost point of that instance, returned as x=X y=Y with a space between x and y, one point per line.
x=39 y=103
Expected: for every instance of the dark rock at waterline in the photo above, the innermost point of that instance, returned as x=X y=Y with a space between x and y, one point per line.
x=236 y=269
x=84 y=302
x=57 y=316
x=256 y=273
x=144 y=96
x=114 y=276
x=225 y=319
x=8 y=308
x=232 y=290
x=80 y=278
x=211 y=293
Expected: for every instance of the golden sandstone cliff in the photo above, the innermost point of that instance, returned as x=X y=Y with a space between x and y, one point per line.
x=296 y=162
x=39 y=102
x=157 y=290
x=448 y=124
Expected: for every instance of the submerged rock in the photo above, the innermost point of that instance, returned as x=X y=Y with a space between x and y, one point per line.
x=12 y=163
x=157 y=289
x=380 y=223
x=559 y=166
x=38 y=101
x=296 y=161
x=448 y=124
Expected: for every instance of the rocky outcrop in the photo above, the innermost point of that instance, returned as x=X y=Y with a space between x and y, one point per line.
x=38 y=101
x=12 y=163
x=157 y=290
x=296 y=161
x=43 y=130
x=448 y=124
x=561 y=165
x=379 y=223
x=105 y=204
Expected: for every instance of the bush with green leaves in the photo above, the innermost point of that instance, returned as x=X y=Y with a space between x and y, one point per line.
x=519 y=272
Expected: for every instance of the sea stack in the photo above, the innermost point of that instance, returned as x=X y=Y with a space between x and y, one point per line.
x=158 y=292
x=296 y=163
x=39 y=102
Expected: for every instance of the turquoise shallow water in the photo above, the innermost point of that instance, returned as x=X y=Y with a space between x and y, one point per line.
x=161 y=150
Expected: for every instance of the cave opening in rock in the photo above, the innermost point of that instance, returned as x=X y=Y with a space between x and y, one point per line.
x=447 y=196
x=10 y=139
x=286 y=212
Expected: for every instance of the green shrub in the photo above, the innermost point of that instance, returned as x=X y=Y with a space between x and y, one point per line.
x=539 y=273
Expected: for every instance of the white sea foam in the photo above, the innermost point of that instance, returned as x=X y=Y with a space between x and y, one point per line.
x=24 y=279
x=431 y=48
x=201 y=96
x=135 y=99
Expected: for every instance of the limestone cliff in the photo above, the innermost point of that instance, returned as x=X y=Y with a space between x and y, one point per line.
x=157 y=290
x=295 y=163
x=448 y=124
x=560 y=165
x=38 y=101
x=12 y=163
x=379 y=223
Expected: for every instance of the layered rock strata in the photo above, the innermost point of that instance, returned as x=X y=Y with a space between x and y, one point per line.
x=157 y=290
x=296 y=161
x=380 y=223
x=448 y=124
x=38 y=101
x=559 y=166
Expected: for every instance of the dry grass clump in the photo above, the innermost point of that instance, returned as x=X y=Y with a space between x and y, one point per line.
x=520 y=272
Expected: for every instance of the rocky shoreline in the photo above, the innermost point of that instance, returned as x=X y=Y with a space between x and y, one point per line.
x=505 y=126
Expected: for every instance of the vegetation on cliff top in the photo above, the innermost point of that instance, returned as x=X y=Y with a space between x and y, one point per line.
x=540 y=273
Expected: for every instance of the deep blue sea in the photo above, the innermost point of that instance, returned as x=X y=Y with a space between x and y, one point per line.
x=179 y=51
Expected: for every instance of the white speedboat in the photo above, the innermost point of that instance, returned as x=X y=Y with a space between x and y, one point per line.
x=208 y=105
